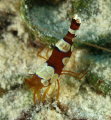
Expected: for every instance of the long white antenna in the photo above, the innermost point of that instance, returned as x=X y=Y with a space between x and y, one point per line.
x=86 y=43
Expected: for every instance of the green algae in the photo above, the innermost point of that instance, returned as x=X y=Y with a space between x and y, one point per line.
x=36 y=30
x=81 y=6
x=2 y=92
x=98 y=84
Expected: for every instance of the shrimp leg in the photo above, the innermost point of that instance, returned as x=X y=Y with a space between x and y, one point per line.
x=38 y=54
x=58 y=96
x=66 y=72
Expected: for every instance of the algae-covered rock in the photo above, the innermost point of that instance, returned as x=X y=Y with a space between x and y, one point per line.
x=53 y=2
x=100 y=85
x=46 y=20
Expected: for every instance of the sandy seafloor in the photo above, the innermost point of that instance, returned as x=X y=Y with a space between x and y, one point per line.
x=18 y=56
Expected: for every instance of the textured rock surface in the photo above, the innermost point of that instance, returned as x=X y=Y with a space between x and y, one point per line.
x=80 y=99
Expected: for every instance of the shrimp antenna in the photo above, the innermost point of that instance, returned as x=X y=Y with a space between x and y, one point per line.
x=86 y=43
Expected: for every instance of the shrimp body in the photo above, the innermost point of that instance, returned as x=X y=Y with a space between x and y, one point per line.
x=50 y=71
